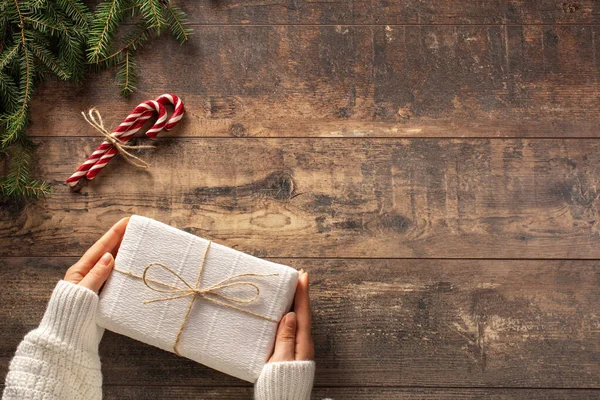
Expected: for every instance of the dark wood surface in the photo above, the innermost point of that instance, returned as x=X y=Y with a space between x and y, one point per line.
x=371 y=393
x=400 y=323
x=309 y=197
x=186 y=393
x=359 y=81
x=433 y=165
x=431 y=12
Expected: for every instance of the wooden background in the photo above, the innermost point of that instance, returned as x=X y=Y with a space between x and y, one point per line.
x=434 y=165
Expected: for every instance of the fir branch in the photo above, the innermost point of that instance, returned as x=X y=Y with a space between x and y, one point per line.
x=133 y=41
x=71 y=53
x=71 y=42
x=126 y=74
x=36 y=4
x=12 y=125
x=152 y=13
x=48 y=59
x=107 y=18
x=15 y=123
x=175 y=18
x=3 y=26
x=8 y=55
x=41 y=38
x=76 y=11
x=19 y=183
x=9 y=92
x=44 y=26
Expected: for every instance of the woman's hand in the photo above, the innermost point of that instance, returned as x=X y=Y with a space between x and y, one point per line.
x=93 y=269
x=294 y=341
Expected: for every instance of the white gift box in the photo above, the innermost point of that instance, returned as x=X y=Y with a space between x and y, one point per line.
x=224 y=329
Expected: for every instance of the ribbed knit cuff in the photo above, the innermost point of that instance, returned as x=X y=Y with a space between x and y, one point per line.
x=289 y=380
x=71 y=317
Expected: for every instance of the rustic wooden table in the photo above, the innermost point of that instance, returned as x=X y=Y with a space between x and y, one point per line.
x=434 y=165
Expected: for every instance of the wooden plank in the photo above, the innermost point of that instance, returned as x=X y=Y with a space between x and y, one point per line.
x=234 y=393
x=463 y=12
x=393 y=198
x=352 y=81
x=444 y=323
x=171 y=392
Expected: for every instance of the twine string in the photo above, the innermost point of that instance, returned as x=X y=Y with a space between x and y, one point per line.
x=211 y=293
x=95 y=120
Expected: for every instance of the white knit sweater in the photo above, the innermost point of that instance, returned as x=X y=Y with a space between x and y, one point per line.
x=59 y=360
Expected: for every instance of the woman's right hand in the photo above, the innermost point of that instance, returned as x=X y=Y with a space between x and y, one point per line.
x=294 y=341
x=95 y=266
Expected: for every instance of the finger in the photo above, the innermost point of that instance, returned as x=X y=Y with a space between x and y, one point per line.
x=109 y=242
x=285 y=341
x=304 y=343
x=99 y=273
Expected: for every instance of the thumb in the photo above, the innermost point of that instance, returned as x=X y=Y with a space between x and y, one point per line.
x=99 y=273
x=285 y=341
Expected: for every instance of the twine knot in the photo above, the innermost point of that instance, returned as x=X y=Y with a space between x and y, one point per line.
x=189 y=290
x=94 y=118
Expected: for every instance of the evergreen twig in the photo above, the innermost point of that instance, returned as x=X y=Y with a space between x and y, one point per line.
x=40 y=39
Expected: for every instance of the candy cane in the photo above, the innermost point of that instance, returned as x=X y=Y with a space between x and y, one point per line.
x=177 y=112
x=125 y=131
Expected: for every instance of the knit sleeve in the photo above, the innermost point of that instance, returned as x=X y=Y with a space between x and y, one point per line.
x=288 y=380
x=59 y=359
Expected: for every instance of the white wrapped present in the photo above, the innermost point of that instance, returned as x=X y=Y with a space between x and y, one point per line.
x=199 y=299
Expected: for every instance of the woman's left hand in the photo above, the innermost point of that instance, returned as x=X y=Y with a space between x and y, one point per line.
x=294 y=340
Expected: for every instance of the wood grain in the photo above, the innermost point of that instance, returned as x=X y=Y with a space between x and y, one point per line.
x=417 y=198
x=235 y=393
x=462 y=12
x=186 y=393
x=446 y=323
x=353 y=81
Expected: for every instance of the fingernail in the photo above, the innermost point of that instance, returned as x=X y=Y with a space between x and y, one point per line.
x=106 y=259
x=301 y=271
x=290 y=319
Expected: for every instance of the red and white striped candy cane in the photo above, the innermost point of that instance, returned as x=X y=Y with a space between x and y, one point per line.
x=125 y=131
x=177 y=112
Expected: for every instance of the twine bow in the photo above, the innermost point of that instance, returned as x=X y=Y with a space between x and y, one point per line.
x=194 y=291
x=95 y=120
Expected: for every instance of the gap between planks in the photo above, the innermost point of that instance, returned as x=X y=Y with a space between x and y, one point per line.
x=566 y=24
x=363 y=138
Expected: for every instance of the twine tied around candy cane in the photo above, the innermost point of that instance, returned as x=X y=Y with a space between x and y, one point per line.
x=113 y=144
x=194 y=291
x=95 y=120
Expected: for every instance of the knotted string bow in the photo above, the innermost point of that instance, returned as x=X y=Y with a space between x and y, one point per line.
x=95 y=120
x=194 y=291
